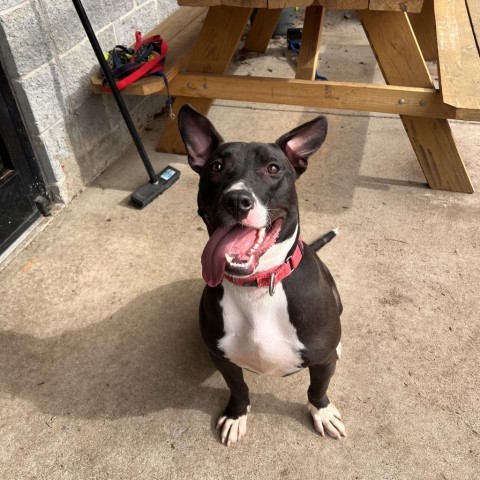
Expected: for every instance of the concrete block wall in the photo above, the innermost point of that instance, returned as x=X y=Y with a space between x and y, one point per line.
x=48 y=59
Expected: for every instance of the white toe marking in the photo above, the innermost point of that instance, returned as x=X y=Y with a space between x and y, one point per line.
x=232 y=430
x=328 y=420
x=339 y=350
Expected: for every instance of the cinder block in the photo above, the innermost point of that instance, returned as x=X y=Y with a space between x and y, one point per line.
x=42 y=97
x=141 y=109
x=65 y=26
x=165 y=8
x=54 y=149
x=114 y=116
x=107 y=39
x=109 y=149
x=63 y=165
x=66 y=156
x=91 y=123
x=24 y=40
x=144 y=112
x=118 y=8
x=4 y=4
x=143 y=19
x=76 y=149
x=80 y=63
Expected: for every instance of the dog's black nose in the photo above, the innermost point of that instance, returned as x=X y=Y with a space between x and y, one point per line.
x=238 y=203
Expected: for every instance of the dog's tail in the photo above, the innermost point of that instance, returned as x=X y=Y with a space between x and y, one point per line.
x=323 y=240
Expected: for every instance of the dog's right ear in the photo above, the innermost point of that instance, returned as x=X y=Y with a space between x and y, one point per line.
x=198 y=135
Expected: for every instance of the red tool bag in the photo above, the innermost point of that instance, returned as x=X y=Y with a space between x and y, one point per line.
x=130 y=64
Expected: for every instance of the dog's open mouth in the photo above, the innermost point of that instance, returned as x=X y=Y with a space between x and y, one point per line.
x=236 y=250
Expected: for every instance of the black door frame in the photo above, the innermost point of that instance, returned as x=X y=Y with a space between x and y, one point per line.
x=21 y=159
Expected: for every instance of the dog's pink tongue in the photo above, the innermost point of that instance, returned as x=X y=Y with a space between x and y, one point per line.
x=236 y=239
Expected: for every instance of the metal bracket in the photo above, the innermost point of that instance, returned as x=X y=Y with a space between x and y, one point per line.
x=44 y=205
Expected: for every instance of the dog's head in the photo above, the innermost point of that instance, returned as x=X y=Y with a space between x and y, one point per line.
x=246 y=194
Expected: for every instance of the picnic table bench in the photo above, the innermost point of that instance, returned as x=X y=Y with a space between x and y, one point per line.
x=203 y=36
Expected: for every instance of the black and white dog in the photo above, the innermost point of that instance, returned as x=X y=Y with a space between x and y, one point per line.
x=270 y=305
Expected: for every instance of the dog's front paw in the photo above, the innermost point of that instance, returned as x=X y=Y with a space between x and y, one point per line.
x=232 y=430
x=328 y=420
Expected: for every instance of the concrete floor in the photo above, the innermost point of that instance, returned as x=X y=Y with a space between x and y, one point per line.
x=103 y=373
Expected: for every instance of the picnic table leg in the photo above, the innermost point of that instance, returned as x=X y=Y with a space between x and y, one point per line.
x=310 y=48
x=262 y=29
x=392 y=39
x=423 y=25
x=212 y=53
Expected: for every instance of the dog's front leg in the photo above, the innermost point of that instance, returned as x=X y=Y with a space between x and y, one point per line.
x=326 y=417
x=233 y=422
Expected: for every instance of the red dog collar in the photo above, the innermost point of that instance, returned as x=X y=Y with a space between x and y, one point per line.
x=270 y=278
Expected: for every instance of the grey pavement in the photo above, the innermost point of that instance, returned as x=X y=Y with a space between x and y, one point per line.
x=103 y=373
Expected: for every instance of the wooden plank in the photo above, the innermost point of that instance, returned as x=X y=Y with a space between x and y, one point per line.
x=423 y=25
x=213 y=52
x=228 y=3
x=398 y=67
x=218 y=39
x=310 y=48
x=391 y=5
x=344 y=4
x=411 y=6
x=473 y=7
x=425 y=102
x=400 y=59
x=437 y=154
x=288 y=3
x=262 y=29
x=277 y=4
x=145 y=86
x=468 y=114
x=458 y=57
x=178 y=30
x=198 y=3
x=179 y=20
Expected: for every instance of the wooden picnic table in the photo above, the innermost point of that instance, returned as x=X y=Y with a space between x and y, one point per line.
x=402 y=33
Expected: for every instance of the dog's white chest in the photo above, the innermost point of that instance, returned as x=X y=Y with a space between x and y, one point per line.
x=258 y=333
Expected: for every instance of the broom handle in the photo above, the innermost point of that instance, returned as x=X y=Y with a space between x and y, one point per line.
x=116 y=93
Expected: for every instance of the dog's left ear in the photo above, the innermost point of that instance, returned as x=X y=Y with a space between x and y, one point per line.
x=198 y=135
x=301 y=142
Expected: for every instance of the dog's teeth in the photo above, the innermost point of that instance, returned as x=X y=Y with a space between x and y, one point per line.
x=254 y=249
x=260 y=235
x=228 y=258
x=242 y=265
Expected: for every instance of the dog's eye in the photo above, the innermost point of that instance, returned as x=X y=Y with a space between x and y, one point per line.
x=216 y=167
x=273 y=168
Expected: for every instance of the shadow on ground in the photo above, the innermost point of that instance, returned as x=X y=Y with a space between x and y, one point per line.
x=146 y=357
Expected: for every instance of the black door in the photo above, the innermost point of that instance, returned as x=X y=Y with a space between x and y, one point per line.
x=21 y=184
